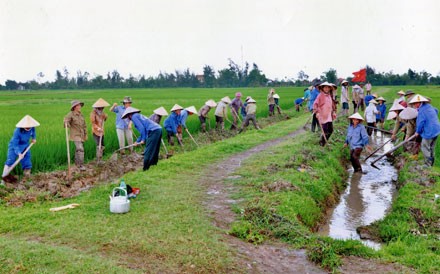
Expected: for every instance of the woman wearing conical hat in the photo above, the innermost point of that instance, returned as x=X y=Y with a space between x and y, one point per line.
x=357 y=139
x=325 y=110
x=220 y=112
x=78 y=131
x=97 y=118
x=157 y=115
x=171 y=125
x=24 y=132
x=382 y=108
x=123 y=126
x=204 y=111
x=271 y=101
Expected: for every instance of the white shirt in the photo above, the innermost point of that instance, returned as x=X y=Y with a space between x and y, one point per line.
x=370 y=113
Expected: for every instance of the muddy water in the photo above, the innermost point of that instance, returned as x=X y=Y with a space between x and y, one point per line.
x=367 y=198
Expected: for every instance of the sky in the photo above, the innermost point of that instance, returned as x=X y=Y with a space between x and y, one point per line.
x=282 y=37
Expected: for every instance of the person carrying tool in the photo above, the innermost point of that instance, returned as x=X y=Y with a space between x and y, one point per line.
x=23 y=133
x=325 y=110
x=220 y=112
x=97 y=118
x=172 y=125
x=78 y=131
x=157 y=115
x=382 y=108
x=123 y=126
x=150 y=135
x=271 y=102
x=236 y=105
x=357 y=139
x=204 y=113
x=184 y=115
x=251 y=110
x=370 y=116
x=427 y=126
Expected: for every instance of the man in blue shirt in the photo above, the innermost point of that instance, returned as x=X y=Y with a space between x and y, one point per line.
x=172 y=125
x=427 y=126
x=357 y=138
x=123 y=126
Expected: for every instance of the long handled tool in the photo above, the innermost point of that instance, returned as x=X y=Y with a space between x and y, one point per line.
x=114 y=155
x=10 y=178
x=377 y=149
x=308 y=120
x=69 y=174
x=166 y=150
x=391 y=150
x=238 y=116
x=100 y=154
x=382 y=130
x=187 y=131
x=323 y=133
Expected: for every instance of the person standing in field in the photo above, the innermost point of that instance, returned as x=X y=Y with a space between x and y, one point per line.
x=370 y=116
x=344 y=97
x=97 y=118
x=357 y=139
x=157 y=115
x=251 y=110
x=236 y=105
x=355 y=98
x=325 y=109
x=313 y=95
x=243 y=109
x=184 y=116
x=368 y=98
x=298 y=103
x=172 y=124
x=271 y=102
x=368 y=87
x=150 y=135
x=78 y=131
x=276 y=97
x=382 y=109
x=427 y=126
x=23 y=133
x=123 y=126
x=204 y=113
x=220 y=112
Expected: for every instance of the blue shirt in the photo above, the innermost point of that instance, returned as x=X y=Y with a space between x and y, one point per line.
x=171 y=122
x=368 y=98
x=243 y=109
x=20 y=139
x=382 y=110
x=299 y=101
x=120 y=123
x=357 y=137
x=313 y=95
x=183 y=116
x=427 y=124
x=144 y=125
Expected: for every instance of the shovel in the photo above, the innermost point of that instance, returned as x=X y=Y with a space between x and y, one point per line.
x=9 y=178
x=377 y=149
x=308 y=120
x=115 y=156
x=166 y=150
x=187 y=131
x=392 y=150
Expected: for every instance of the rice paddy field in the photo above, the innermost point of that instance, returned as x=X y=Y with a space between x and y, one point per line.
x=50 y=107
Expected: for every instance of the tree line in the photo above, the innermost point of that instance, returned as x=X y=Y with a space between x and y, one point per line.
x=231 y=76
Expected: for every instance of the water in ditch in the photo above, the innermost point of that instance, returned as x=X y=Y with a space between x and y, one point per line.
x=367 y=198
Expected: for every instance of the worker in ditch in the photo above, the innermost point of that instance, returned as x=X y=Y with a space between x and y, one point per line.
x=97 y=118
x=357 y=139
x=78 y=131
x=150 y=135
x=157 y=115
x=24 y=132
x=236 y=105
x=123 y=126
x=382 y=108
x=251 y=110
x=220 y=112
x=172 y=125
x=204 y=113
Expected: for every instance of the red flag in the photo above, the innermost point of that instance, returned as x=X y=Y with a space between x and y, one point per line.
x=360 y=76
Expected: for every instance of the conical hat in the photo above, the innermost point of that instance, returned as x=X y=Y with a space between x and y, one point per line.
x=401 y=92
x=161 y=111
x=408 y=113
x=192 y=109
x=128 y=111
x=396 y=106
x=176 y=107
x=101 y=103
x=276 y=96
x=333 y=86
x=27 y=122
x=251 y=101
x=391 y=115
x=211 y=103
x=356 y=116
x=374 y=95
x=372 y=101
x=226 y=99
x=356 y=86
x=418 y=99
x=381 y=99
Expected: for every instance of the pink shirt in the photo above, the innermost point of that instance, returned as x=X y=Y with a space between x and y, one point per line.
x=324 y=107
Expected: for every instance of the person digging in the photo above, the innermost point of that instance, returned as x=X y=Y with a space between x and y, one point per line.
x=357 y=139
x=97 y=118
x=19 y=148
x=78 y=131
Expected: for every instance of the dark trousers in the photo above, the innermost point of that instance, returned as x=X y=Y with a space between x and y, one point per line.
x=328 y=130
x=152 y=146
x=370 y=128
x=314 y=122
x=354 y=159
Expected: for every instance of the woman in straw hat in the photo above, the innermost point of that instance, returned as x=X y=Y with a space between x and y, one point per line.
x=123 y=126
x=370 y=116
x=427 y=126
x=220 y=112
x=357 y=139
x=184 y=115
x=24 y=132
x=271 y=102
x=382 y=108
x=157 y=115
x=172 y=124
x=344 y=97
x=150 y=135
x=251 y=110
x=78 y=131
x=204 y=113
x=325 y=109
x=97 y=118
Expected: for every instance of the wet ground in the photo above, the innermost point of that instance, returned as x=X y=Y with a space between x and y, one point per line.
x=367 y=198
